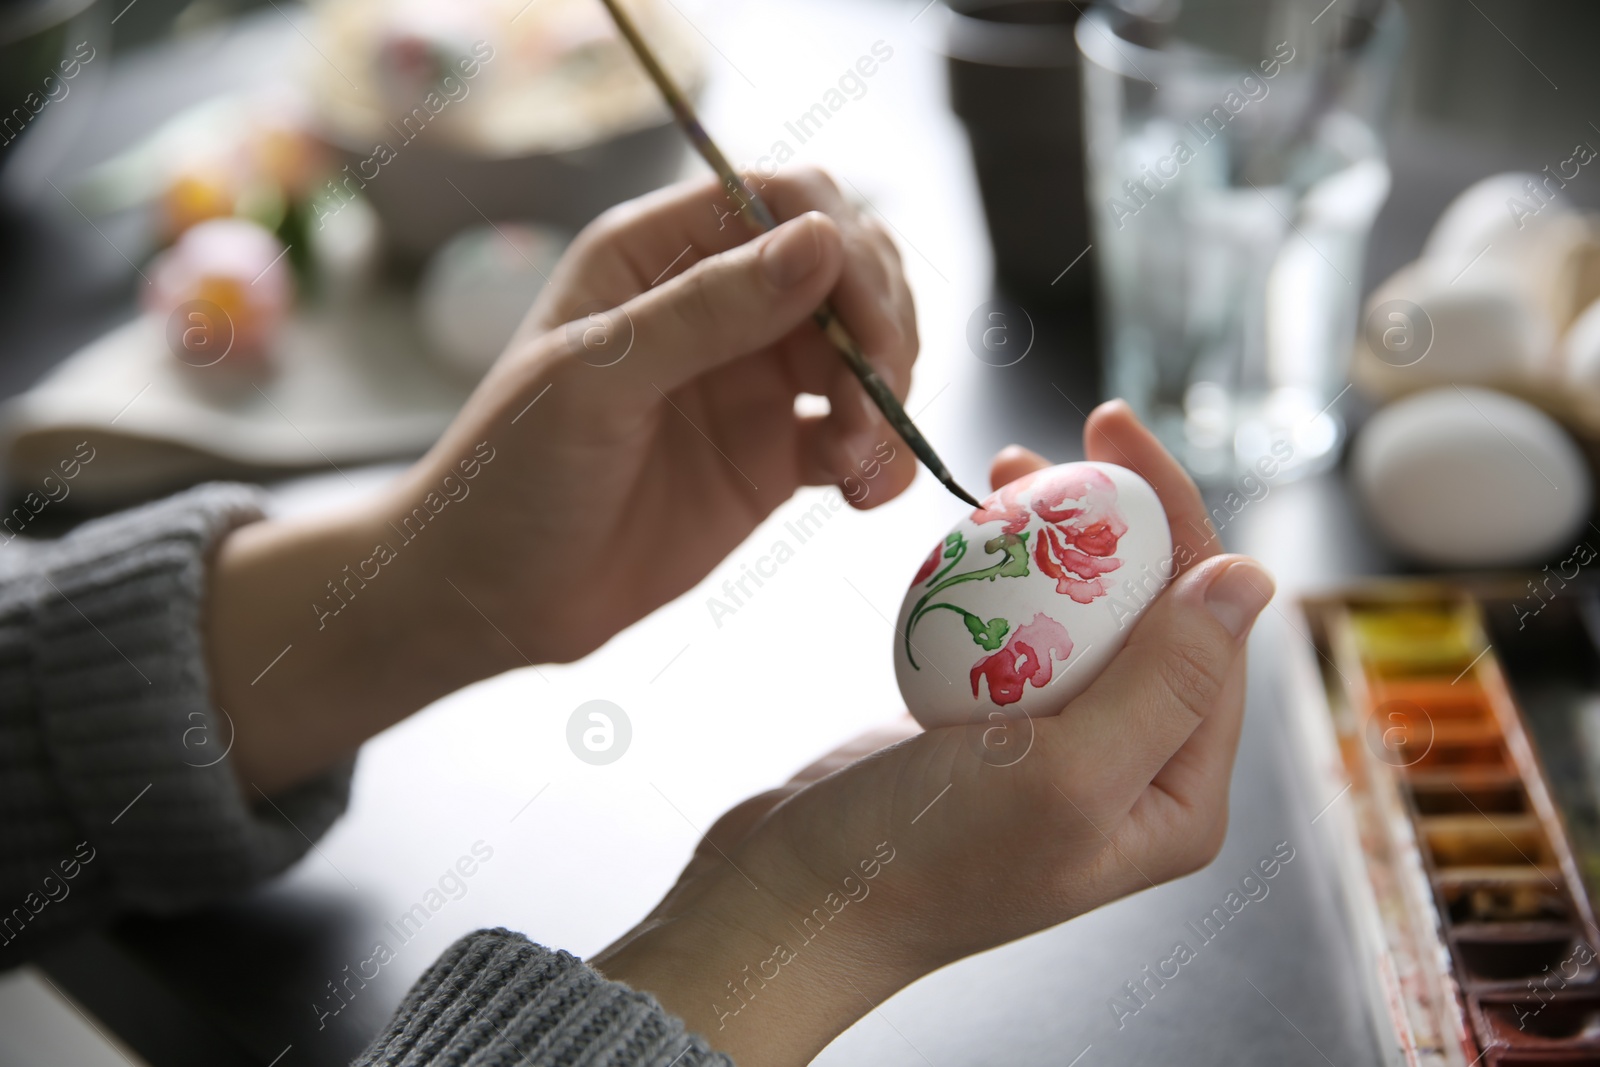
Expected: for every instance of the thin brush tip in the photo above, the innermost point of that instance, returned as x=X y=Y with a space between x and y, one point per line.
x=951 y=485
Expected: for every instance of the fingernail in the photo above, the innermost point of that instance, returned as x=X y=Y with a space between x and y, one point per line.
x=792 y=253
x=1237 y=595
x=1114 y=406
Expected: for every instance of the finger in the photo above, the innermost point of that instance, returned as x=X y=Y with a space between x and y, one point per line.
x=1013 y=462
x=821 y=461
x=872 y=298
x=1178 y=824
x=886 y=335
x=706 y=218
x=853 y=440
x=874 y=304
x=671 y=229
x=1113 y=434
x=633 y=247
x=880 y=476
x=810 y=359
x=1165 y=682
x=664 y=233
x=729 y=305
x=1197 y=775
x=866 y=479
x=851 y=431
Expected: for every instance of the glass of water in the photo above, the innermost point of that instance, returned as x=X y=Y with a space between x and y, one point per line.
x=1235 y=166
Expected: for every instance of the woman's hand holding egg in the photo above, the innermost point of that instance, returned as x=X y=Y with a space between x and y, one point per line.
x=962 y=838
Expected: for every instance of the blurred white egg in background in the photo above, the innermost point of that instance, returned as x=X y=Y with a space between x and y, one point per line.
x=1469 y=477
x=1580 y=348
x=478 y=287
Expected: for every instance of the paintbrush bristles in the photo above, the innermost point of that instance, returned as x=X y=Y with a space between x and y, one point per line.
x=760 y=218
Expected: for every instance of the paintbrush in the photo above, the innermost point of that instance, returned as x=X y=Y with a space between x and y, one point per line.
x=757 y=215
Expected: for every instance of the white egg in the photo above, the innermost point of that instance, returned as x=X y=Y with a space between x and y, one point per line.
x=1423 y=328
x=1027 y=599
x=478 y=287
x=1504 y=214
x=1466 y=477
x=1523 y=227
x=1580 y=348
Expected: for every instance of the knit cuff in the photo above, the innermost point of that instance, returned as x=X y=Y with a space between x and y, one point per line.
x=118 y=667
x=496 y=997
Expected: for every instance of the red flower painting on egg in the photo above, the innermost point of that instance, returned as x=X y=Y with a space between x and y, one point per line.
x=925 y=571
x=1006 y=506
x=1026 y=659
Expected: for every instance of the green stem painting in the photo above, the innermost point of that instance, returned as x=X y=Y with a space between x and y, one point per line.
x=1013 y=563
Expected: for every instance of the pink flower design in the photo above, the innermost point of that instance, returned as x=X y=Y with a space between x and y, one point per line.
x=925 y=571
x=1004 y=506
x=1084 y=527
x=1025 y=658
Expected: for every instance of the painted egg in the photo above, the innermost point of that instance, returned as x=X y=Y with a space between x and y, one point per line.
x=1027 y=599
x=237 y=269
x=1467 y=477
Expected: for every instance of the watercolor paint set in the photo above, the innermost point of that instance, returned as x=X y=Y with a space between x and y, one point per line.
x=1452 y=731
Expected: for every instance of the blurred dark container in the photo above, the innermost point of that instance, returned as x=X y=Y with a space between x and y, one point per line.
x=420 y=210
x=1014 y=83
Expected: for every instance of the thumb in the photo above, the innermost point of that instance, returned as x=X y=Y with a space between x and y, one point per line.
x=733 y=303
x=1011 y=463
x=1169 y=677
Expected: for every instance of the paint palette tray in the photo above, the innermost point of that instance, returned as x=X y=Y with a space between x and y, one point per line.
x=1454 y=740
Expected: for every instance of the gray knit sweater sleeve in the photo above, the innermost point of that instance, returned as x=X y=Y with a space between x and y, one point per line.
x=496 y=997
x=116 y=795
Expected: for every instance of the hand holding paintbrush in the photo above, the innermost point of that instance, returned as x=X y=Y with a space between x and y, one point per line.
x=756 y=214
